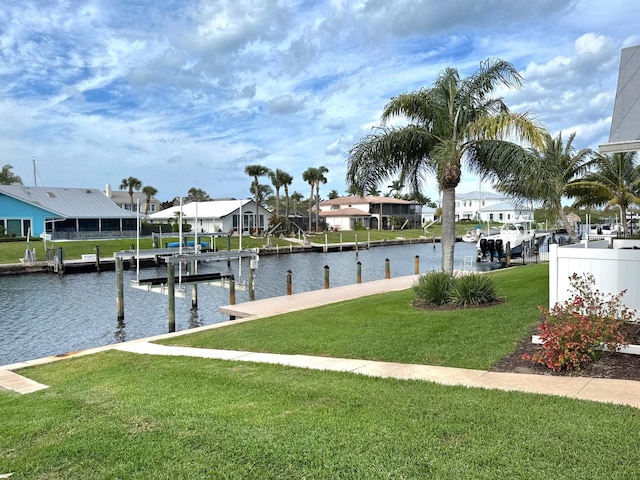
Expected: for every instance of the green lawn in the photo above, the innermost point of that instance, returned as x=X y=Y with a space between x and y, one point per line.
x=121 y=415
x=386 y=327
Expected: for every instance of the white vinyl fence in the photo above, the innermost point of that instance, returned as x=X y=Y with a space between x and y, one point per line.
x=613 y=269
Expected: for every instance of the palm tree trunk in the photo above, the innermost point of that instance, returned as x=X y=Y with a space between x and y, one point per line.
x=255 y=216
x=623 y=219
x=567 y=225
x=448 y=240
x=310 y=203
x=286 y=208
x=317 y=206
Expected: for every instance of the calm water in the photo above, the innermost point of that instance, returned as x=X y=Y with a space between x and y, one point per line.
x=48 y=314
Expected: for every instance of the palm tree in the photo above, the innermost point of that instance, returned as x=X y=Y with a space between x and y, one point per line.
x=295 y=198
x=286 y=180
x=333 y=194
x=131 y=183
x=547 y=175
x=149 y=192
x=7 y=177
x=256 y=171
x=395 y=188
x=309 y=176
x=614 y=181
x=314 y=176
x=320 y=178
x=264 y=191
x=279 y=179
x=454 y=121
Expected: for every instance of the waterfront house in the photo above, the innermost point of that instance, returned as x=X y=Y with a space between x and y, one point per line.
x=62 y=213
x=123 y=200
x=217 y=216
x=489 y=206
x=371 y=212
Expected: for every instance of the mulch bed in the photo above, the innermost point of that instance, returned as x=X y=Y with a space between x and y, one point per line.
x=611 y=365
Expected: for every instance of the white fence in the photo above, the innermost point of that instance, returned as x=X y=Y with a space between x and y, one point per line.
x=613 y=269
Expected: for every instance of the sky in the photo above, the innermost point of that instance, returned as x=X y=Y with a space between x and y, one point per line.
x=186 y=93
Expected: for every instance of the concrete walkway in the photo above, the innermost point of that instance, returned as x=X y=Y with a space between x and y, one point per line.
x=624 y=392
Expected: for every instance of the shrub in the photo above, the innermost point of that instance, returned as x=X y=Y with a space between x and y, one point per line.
x=473 y=290
x=578 y=330
x=433 y=288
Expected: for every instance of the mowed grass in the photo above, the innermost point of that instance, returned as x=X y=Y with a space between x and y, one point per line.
x=120 y=415
x=387 y=327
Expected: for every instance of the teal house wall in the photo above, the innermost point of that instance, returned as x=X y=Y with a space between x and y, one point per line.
x=16 y=217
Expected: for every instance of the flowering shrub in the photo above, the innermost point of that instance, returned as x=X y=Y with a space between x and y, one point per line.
x=576 y=331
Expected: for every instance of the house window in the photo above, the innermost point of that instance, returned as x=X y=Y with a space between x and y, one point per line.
x=501 y=216
x=491 y=217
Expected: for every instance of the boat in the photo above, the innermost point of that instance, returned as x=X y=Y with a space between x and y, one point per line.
x=519 y=237
x=472 y=236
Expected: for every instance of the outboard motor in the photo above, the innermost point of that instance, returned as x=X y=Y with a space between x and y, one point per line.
x=491 y=247
x=483 y=246
x=499 y=247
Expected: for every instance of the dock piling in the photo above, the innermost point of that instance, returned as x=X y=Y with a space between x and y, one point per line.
x=416 y=265
x=387 y=269
x=359 y=272
x=97 y=248
x=326 y=276
x=119 y=289
x=289 y=282
x=171 y=294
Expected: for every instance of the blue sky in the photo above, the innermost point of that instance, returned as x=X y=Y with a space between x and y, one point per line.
x=185 y=94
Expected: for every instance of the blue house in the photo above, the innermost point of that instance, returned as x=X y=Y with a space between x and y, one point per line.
x=62 y=213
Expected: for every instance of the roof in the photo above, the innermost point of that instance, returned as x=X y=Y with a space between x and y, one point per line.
x=345 y=212
x=354 y=199
x=121 y=196
x=502 y=207
x=212 y=209
x=68 y=202
x=476 y=194
x=625 y=122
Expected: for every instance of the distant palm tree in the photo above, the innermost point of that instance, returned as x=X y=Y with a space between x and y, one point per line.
x=547 y=175
x=454 y=121
x=395 y=188
x=286 y=181
x=279 y=179
x=295 y=198
x=256 y=171
x=314 y=176
x=149 y=192
x=333 y=194
x=264 y=192
x=7 y=177
x=614 y=181
x=131 y=183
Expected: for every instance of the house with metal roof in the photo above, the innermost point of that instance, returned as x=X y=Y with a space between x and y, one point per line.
x=217 y=216
x=63 y=213
x=488 y=206
x=375 y=213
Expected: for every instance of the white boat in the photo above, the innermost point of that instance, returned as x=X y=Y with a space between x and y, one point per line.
x=520 y=237
x=472 y=236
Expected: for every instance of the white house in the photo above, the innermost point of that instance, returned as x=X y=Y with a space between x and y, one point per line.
x=123 y=200
x=217 y=216
x=489 y=206
x=376 y=213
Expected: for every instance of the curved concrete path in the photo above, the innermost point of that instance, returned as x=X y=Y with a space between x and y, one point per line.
x=624 y=392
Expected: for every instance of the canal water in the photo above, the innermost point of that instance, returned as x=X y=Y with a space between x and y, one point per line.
x=48 y=314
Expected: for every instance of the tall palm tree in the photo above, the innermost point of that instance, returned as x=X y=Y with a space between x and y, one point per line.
x=7 y=177
x=286 y=181
x=149 y=192
x=256 y=171
x=615 y=180
x=279 y=179
x=131 y=183
x=309 y=176
x=320 y=178
x=295 y=198
x=548 y=174
x=454 y=121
